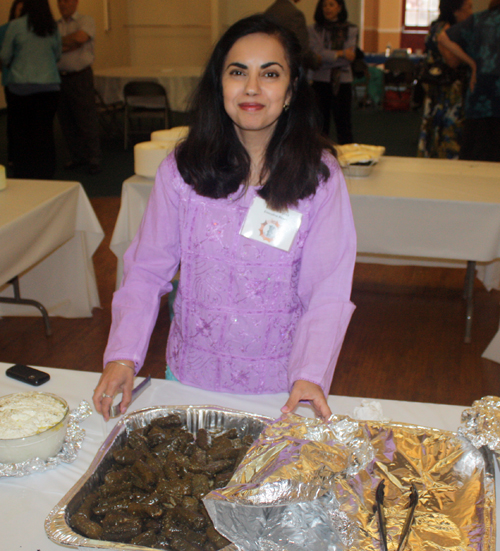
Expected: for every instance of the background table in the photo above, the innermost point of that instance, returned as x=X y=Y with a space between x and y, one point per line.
x=27 y=501
x=411 y=211
x=431 y=212
x=381 y=58
x=179 y=82
x=48 y=234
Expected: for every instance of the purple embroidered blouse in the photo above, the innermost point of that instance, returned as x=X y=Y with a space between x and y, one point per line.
x=249 y=318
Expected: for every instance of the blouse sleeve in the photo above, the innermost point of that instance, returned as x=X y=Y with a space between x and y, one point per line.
x=352 y=38
x=329 y=58
x=316 y=40
x=150 y=263
x=7 y=49
x=325 y=284
x=57 y=45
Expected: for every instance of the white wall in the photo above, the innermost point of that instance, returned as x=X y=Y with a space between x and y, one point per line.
x=111 y=45
x=182 y=32
x=173 y=32
x=236 y=9
x=177 y=32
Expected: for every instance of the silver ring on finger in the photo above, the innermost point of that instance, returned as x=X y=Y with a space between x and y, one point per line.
x=104 y=395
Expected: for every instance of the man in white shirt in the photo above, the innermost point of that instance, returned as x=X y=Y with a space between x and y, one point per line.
x=77 y=109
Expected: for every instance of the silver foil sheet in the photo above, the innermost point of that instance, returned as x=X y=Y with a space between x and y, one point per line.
x=57 y=524
x=481 y=423
x=335 y=508
x=69 y=451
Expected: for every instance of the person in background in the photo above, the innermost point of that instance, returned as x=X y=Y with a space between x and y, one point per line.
x=14 y=13
x=334 y=39
x=30 y=50
x=77 y=109
x=287 y=14
x=254 y=206
x=477 y=42
x=445 y=79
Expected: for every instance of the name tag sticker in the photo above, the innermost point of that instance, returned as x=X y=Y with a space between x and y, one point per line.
x=274 y=228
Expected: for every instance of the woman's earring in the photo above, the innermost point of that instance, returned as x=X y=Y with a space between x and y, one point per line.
x=286 y=106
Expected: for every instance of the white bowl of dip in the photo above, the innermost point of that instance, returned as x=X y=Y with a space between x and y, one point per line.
x=32 y=424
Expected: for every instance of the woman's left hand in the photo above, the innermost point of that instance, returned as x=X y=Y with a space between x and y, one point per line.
x=350 y=54
x=305 y=390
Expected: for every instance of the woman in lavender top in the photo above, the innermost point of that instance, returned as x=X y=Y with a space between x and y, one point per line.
x=252 y=315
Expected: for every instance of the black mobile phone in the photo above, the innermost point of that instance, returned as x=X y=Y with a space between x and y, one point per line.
x=27 y=374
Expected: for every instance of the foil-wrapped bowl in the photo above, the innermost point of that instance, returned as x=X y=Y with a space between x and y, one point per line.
x=57 y=524
x=73 y=440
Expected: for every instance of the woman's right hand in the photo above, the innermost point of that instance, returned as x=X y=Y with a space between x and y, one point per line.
x=115 y=378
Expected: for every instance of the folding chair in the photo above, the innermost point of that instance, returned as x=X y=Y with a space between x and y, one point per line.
x=144 y=100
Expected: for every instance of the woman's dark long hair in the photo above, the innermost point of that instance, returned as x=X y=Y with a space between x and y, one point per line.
x=447 y=9
x=320 y=18
x=213 y=160
x=12 y=12
x=40 y=19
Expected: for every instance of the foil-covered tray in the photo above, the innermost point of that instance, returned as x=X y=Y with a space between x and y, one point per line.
x=335 y=511
x=456 y=485
x=455 y=480
x=57 y=524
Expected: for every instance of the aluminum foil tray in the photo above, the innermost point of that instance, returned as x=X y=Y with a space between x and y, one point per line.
x=437 y=460
x=456 y=481
x=195 y=417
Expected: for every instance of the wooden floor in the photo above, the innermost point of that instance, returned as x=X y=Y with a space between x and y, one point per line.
x=405 y=340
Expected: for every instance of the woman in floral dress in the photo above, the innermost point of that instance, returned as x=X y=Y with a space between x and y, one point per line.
x=443 y=116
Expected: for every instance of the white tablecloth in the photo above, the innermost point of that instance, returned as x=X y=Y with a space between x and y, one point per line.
x=179 y=82
x=26 y=502
x=432 y=212
x=135 y=195
x=48 y=234
x=409 y=211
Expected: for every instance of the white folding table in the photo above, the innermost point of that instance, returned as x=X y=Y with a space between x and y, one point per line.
x=27 y=501
x=48 y=234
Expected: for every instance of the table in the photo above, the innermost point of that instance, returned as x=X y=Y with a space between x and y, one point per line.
x=48 y=234
x=430 y=209
x=411 y=211
x=27 y=501
x=432 y=212
x=179 y=82
x=381 y=58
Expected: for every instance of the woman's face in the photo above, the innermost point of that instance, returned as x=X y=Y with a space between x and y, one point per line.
x=331 y=9
x=464 y=12
x=255 y=85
